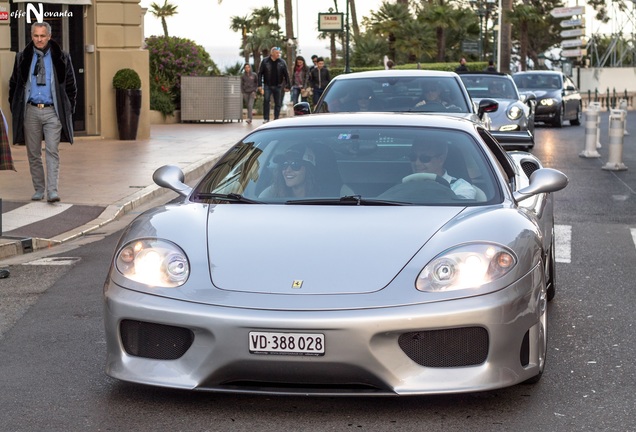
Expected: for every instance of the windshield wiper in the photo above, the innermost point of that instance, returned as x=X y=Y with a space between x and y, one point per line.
x=232 y=197
x=347 y=200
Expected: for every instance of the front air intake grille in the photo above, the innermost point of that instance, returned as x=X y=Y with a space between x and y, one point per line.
x=155 y=341
x=456 y=347
x=524 y=353
x=529 y=167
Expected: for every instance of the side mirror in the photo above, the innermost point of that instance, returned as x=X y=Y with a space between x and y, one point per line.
x=171 y=177
x=543 y=180
x=302 y=108
x=527 y=97
x=487 y=106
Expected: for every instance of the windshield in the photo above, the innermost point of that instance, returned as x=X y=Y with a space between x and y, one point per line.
x=395 y=94
x=352 y=166
x=496 y=87
x=537 y=81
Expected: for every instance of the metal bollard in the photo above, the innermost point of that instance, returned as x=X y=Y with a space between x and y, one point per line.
x=616 y=126
x=591 y=133
x=623 y=106
x=598 y=107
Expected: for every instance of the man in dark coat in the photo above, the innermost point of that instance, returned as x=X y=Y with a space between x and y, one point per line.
x=319 y=78
x=462 y=66
x=42 y=95
x=273 y=80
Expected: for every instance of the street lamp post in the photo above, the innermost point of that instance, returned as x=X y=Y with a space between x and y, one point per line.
x=483 y=9
x=347 y=68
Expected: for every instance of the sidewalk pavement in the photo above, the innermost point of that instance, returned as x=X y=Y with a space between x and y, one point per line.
x=109 y=178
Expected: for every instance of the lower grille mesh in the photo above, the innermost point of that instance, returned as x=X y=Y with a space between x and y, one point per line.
x=155 y=341
x=457 y=347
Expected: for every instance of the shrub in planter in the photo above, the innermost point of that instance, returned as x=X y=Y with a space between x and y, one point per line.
x=126 y=79
x=127 y=86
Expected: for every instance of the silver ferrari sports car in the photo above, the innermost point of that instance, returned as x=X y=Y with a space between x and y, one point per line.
x=341 y=254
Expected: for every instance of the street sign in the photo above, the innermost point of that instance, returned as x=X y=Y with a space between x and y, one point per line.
x=578 y=52
x=330 y=22
x=471 y=47
x=571 y=43
x=573 y=22
x=565 y=12
x=573 y=33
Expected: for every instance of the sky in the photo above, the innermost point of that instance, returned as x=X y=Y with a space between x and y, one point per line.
x=207 y=23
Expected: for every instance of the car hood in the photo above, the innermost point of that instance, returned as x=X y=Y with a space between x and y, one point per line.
x=307 y=249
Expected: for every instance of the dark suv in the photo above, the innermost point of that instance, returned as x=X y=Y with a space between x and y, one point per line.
x=558 y=99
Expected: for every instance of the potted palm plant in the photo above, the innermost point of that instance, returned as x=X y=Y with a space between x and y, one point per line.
x=128 y=102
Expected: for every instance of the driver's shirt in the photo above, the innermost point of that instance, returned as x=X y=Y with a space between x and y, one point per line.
x=460 y=186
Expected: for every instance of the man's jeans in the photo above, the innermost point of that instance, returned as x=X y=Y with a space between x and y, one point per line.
x=277 y=92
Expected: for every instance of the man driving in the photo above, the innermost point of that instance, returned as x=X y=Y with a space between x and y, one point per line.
x=429 y=158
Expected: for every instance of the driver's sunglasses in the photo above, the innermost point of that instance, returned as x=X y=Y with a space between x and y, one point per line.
x=294 y=165
x=422 y=158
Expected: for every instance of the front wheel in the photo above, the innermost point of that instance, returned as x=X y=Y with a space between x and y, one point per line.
x=543 y=339
x=576 y=121
x=558 y=121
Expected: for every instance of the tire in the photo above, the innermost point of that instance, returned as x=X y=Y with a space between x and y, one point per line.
x=576 y=121
x=558 y=122
x=544 y=340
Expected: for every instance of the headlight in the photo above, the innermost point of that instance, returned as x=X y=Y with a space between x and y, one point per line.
x=514 y=112
x=548 y=102
x=153 y=262
x=465 y=267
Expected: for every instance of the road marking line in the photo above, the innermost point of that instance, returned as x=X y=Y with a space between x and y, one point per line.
x=30 y=213
x=563 y=243
x=633 y=231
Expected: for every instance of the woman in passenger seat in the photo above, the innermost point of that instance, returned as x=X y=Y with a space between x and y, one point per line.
x=295 y=174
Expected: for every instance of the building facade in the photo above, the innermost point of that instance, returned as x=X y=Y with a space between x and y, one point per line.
x=102 y=37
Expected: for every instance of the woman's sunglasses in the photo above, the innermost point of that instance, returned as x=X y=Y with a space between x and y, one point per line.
x=422 y=158
x=294 y=165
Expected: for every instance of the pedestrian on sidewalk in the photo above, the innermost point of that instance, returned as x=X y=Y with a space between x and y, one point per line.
x=42 y=95
x=273 y=80
x=319 y=78
x=6 y=161
x=300 y=81
x=249 y=84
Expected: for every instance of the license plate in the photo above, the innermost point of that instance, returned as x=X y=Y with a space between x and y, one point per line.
x=305 y=344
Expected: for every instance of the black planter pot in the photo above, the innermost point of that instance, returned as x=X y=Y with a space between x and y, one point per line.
x=128 y=104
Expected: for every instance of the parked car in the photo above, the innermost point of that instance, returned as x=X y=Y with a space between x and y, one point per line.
x=515 y=115
x=322 y=255
x=558 y=99
x=401 y=91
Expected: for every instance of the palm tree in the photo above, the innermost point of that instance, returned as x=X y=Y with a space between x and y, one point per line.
x=259 y=42
x=289 y=34
x=354 y=18
x=243 y=25
x=163 y=12
x=522 y=16
x=441 y=16
x=506 y=37
x=389 y=21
